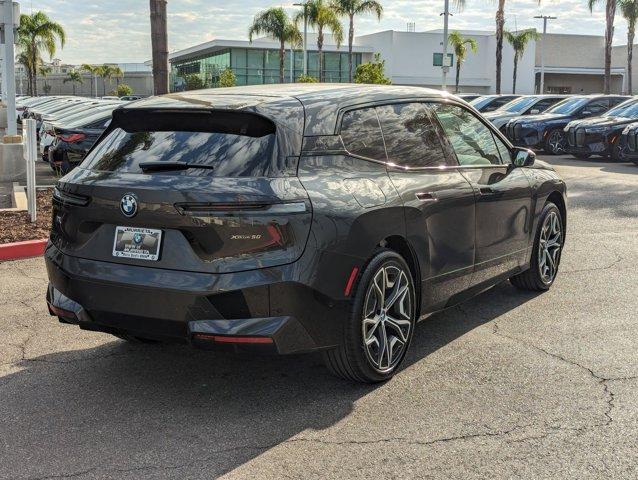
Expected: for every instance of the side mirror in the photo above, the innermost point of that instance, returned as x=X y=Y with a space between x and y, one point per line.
x=523 y=158
x=534 y=111
x=586 y=113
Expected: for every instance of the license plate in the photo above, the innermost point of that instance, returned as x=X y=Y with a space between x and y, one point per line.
x=597 y=147
x=138 y=243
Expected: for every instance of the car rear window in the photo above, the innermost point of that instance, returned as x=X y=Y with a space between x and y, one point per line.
x=233 y=144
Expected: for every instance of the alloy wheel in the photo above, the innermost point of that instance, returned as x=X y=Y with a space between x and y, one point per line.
x=549 y=247
x=387 y=317
x=556 y=142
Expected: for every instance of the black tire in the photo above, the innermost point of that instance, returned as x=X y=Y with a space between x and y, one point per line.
x=582 y=156
x=532 y=279
x=351 y=359
x=551 y=147
x=134 y=339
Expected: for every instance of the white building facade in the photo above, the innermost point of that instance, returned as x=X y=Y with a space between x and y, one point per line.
x=573 y=63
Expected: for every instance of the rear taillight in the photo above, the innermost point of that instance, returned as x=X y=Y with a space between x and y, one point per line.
x=72 y=138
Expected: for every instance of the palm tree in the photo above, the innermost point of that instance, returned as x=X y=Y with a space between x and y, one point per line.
x=44 y=71
x=74 y=77
x=629 y=10
x=92 y=70
x=37 y=33
x=322 y=16
x=107 y=72
x=610 y=14
x=159 y=46
x=500 y=26
x=460 y=45
x=351 y=8
x=518 y=41
x=118 y=74
x=276 y=23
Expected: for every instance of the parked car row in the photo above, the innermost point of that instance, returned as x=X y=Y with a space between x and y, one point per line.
x=67 y=125
x=581 y=125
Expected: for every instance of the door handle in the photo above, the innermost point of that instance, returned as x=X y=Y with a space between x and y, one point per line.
x=486 y=191
x=426 y=197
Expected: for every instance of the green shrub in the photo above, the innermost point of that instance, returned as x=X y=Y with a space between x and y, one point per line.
x=122 y=90
x=306 y=79
x=193 y=82
x=372 y=72
x=227 y=78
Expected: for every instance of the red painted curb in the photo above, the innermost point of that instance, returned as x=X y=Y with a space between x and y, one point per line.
x=17 y=250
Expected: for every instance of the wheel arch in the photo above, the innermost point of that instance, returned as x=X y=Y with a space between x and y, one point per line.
x=558 y=199
x=400 y=245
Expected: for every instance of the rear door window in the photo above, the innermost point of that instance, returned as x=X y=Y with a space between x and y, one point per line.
x=410 y=136
x=361 y=134
x=228 y=144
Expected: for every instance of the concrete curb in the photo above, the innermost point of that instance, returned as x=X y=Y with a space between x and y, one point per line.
x=18 y=250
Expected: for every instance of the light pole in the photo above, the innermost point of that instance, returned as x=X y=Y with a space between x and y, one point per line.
x=9 y=18
x=545 y=18
x=305 y=35
x=444 y=66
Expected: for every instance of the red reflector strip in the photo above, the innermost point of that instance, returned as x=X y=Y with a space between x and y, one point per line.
x=350 y=283
x=229 y=339
x=60 y=312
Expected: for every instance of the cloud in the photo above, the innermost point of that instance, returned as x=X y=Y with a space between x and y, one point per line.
x=119 y=30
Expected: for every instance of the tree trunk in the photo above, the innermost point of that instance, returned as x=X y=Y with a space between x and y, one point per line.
x=500 y=24
x=282 y=54
x=34 y=69
x=320 y=51
x=514 y=74
x=159 y=43
x=350 y=42
x=631 y=32
x=609 y=37
x=458 y=74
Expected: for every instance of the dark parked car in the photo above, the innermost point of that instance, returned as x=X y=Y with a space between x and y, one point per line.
x=296 y=219
x=71 y=143
x=546 y=131
x=526 y=105
x=601 y=135
x=489 y=103
x=628 y=143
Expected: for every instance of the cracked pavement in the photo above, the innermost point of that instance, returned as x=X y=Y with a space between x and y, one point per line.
x=508 y=385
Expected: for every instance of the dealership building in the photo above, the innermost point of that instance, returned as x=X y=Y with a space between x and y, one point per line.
x=573 y=63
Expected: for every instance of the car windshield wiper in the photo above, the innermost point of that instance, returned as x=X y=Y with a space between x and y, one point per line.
x=172 y=166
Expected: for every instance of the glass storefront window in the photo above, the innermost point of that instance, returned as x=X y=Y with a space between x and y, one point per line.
x=258 y=66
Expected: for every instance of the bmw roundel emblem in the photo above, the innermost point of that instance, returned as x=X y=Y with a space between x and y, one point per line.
x=128 y=205
x=137 y=238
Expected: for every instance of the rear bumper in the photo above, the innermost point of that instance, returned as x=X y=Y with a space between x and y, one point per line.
x=269 y=309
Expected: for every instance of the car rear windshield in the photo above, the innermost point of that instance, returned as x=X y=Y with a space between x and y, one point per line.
x=227 y=144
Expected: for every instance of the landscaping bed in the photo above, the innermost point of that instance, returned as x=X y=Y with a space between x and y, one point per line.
x=17 y=227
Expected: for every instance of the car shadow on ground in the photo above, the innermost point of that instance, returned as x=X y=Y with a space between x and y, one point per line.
x=604 y=164
x=119 y=407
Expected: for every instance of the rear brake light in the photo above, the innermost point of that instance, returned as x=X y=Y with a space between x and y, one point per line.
x=72 y=138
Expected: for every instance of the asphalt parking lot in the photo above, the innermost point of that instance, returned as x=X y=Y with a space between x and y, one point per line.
x=509 y=385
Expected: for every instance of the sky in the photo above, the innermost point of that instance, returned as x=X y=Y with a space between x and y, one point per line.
x=118 y=31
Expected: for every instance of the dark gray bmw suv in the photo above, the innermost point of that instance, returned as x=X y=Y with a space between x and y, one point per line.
x=298 y=218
